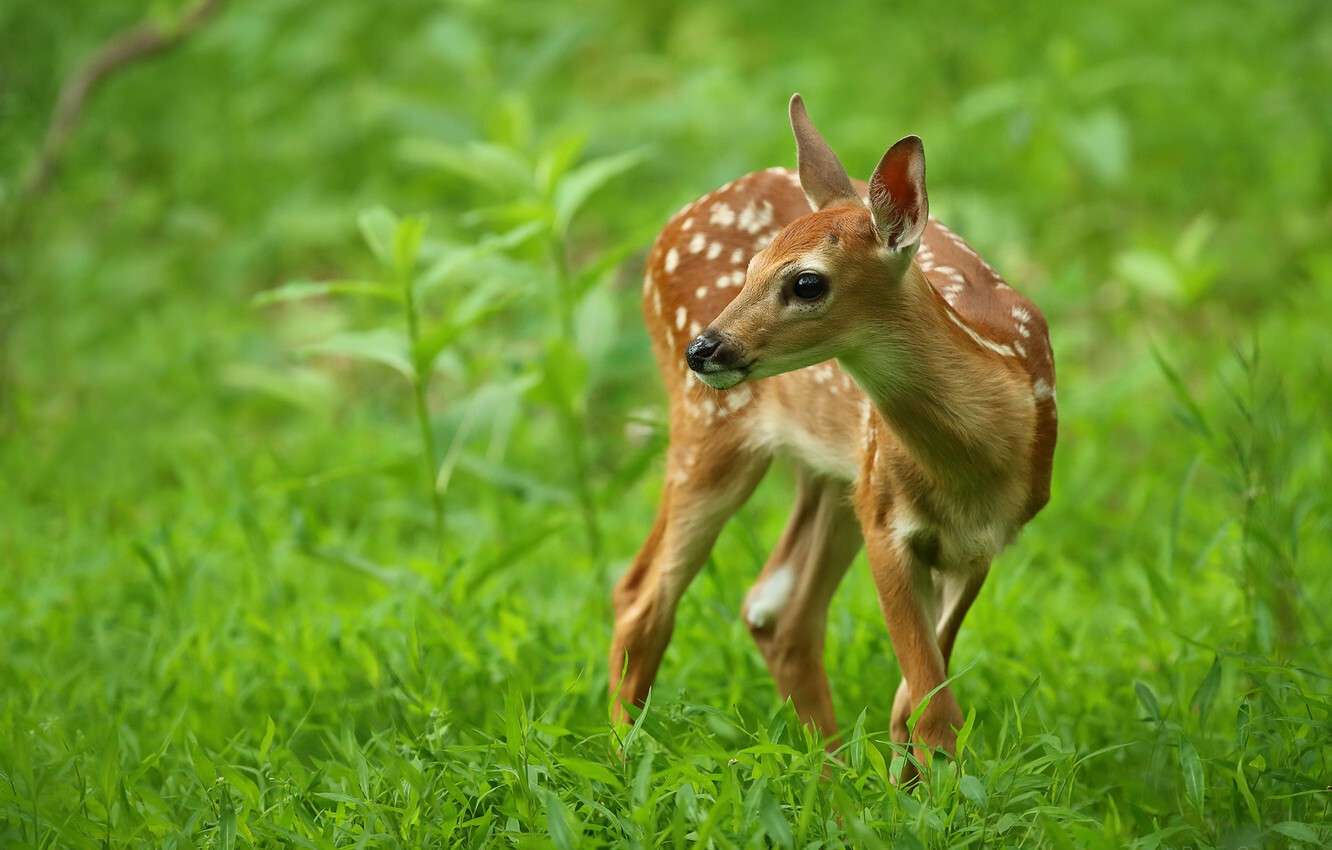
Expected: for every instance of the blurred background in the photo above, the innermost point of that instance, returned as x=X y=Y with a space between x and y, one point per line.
x=327 y=419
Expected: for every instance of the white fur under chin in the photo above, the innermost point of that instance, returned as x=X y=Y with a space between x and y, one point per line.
x=721 y=380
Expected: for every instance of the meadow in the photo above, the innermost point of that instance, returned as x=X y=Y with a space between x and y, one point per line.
x=328 y=420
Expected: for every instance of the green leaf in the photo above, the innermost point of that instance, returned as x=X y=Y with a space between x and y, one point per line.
x=973 y=789
x=905 y=840
x=437 y=338
x=994 y=99
x=1150 y=272
x=301 y=386
x=378 y=346
x=267 y=741
x=497 y=169
x=856 y=748
x=636 y=729
x=564 y=376
x=579 y=185
x=774 y=821
x=1148 y=699
x=203 y=765
x=1243 y=715
x=687 y=801
x=378 y=226
x=1194 y=416
x=1296 y=830
x=556 y=161
x=1101 y=142
x=595 y=324
x=642 y=779
x=407 y=246
x=610 y=260
x=454 y=260
x=299 y=290
x=589 y=770
x=877 y=763
x=1190 y=245
x=226 y=827
x=1206 y=693
x=1195 y=784
x=1242 y=783
x=522 y=484
x=964 y=734
x=557 y=822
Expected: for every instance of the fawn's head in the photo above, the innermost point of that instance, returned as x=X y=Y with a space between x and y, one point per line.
x=809 y=294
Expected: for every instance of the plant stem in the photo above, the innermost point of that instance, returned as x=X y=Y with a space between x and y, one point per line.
x=419 y=381
x=571 y=418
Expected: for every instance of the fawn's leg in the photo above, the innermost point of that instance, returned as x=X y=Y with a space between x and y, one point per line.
x=909 y=599
x=958 y=589
x=787 y=608
x=706 y=482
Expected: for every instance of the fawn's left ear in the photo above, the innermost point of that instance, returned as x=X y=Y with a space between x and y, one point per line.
x=822 y=177
x=897 y=195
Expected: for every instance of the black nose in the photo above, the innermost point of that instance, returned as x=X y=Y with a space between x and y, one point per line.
x=702 y=348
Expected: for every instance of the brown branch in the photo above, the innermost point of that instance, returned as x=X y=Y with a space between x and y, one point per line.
x=136 y=43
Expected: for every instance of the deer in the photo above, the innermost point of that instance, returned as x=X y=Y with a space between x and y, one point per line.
x=835 y=322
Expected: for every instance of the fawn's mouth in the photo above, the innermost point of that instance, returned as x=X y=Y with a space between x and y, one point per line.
x=721 y=378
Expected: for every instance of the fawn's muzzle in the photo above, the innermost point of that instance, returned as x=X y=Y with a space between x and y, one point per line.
x=711 y=352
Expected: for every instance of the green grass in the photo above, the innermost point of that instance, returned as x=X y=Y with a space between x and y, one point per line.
x=286 y=569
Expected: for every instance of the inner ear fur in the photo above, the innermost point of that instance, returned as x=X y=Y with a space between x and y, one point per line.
x=898 y=200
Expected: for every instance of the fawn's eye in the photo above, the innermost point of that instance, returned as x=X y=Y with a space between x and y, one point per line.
x=809 y=286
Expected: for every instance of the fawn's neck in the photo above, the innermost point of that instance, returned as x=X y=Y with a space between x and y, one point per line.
x=947 y=400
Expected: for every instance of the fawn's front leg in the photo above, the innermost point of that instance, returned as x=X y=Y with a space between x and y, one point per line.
x=909 y=600
x=706 y=482
x=957 y=588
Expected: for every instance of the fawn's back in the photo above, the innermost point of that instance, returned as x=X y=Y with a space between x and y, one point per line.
x=697 y=266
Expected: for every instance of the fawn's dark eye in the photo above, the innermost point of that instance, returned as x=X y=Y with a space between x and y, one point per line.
x=809 y=286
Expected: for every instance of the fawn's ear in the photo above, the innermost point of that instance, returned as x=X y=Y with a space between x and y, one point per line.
x=897 y=194
x=822 y=176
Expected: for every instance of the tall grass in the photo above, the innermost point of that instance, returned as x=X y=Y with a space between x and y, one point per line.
x=309 y=510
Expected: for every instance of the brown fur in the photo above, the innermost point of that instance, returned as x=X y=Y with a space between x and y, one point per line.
x=944 y=443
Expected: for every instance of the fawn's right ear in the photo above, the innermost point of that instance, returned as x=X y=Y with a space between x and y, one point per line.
x=898 y=201
x=822 y=176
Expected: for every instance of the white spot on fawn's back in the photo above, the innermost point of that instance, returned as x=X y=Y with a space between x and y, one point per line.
x=696 y=244
x=753 y=219
x=672 y=260
x=680 y=318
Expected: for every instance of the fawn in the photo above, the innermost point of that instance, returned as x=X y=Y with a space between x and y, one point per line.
x=836 y=322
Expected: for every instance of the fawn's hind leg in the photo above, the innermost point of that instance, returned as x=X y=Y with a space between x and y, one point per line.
x=708 y=478
x=787 y=608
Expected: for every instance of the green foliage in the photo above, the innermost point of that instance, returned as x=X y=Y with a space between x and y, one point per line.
x=309 y=510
